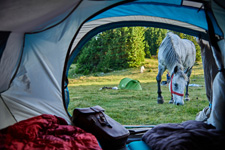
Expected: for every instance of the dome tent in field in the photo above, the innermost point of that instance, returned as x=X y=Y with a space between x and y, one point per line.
x=130 y=84
x=40 y=39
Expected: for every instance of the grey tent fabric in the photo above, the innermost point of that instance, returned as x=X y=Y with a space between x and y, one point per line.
x=33 y=86
x=209 y=66
x=10 y=59
x=7 y=118
x=46 y=34
x=217 y=118
x=219 y=14
x=221 y=44
x=218 y=104
x=25 y=16
x=210 y=71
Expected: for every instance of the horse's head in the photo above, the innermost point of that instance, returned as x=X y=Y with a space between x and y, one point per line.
x=177 y=85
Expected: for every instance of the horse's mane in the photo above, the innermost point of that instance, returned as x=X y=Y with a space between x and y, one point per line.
x=169 y=52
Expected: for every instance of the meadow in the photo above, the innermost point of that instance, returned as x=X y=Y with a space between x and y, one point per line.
x=130 y=107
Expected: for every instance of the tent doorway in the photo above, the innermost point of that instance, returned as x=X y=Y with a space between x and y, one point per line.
x=125 y=105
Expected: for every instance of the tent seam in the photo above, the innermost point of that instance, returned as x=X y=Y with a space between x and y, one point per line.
x=8 y=108
x=19 y=63
x=58 y=22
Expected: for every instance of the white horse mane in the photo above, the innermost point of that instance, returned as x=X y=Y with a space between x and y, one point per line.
x=171 y=53
x=167 y=50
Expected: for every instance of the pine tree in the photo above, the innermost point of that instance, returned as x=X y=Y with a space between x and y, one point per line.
x=113 y=49
x=154 y=37
x=88 y=57
x=136 y=47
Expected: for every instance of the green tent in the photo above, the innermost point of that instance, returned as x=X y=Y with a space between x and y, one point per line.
x=130 y=84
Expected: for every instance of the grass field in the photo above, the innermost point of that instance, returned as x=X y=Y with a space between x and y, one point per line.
x=131 y=107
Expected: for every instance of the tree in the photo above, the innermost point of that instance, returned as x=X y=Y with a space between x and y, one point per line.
x=154 y=37
x=88 y=57
x=135 y=46
x=113 y=49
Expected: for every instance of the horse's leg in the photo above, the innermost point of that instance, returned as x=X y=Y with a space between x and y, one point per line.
x=187 y=94
x=160 y=99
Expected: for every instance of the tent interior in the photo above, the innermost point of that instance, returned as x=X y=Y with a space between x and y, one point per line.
x=48 y=35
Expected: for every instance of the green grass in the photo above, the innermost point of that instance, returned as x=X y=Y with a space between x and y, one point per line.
x=131 y=107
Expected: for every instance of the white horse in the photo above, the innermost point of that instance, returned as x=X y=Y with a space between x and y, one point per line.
x=178 y=57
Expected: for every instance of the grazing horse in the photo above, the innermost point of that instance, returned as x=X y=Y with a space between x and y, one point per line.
x=178 y=57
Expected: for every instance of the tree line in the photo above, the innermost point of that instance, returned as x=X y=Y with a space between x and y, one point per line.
x=121 y=48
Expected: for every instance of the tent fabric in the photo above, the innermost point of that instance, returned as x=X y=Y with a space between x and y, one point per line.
x=42 y=42
x=10 y=58
x=138 y=145
x=37 y=87
x=219 y=15
x=89 y=26
x=3 y=39
x=221 y=45
x=186 y=14
x=25 y=16
x=130 y=84
x=210 y=71
x=218 y=103
x=7 y=118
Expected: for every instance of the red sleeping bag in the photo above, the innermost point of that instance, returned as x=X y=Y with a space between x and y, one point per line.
x=46 y=132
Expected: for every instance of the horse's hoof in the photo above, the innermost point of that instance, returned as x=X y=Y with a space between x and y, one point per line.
x=187 y=99
x=171 y=101
x=160 y=100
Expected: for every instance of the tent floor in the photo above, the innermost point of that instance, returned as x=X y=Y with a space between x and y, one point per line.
x=134 y=141
x=138 y=145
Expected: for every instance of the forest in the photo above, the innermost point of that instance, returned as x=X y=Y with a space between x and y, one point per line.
x=121 y=48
